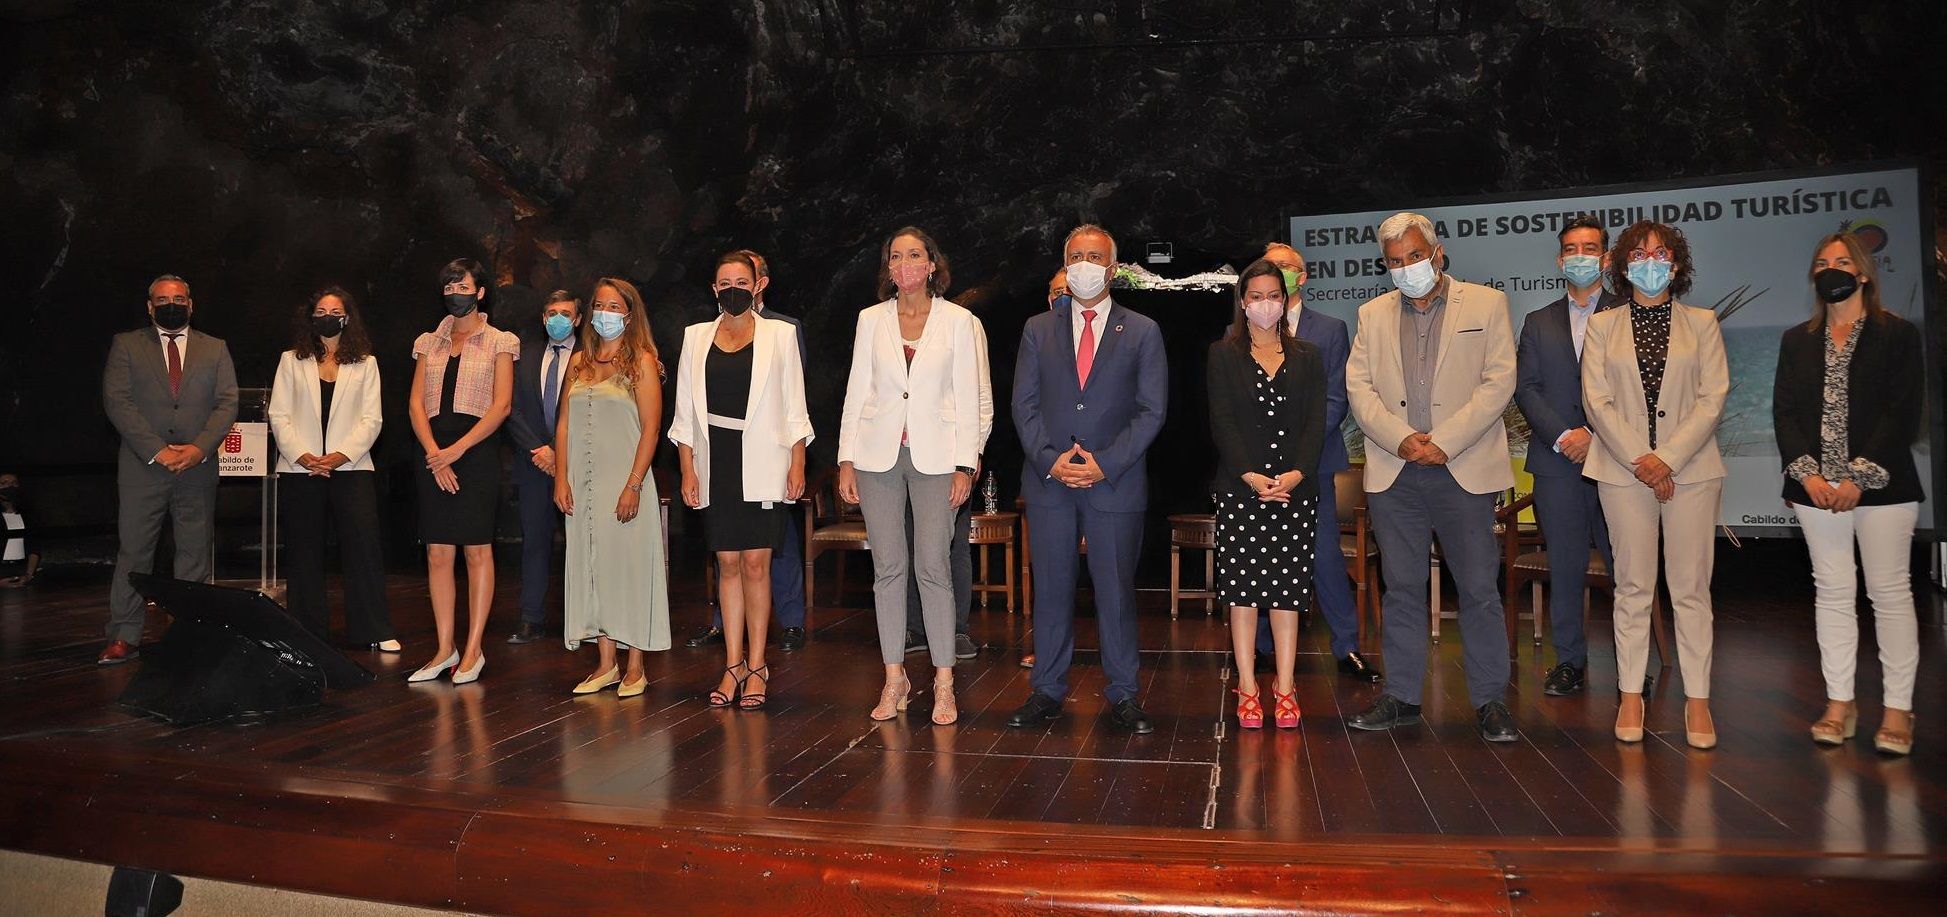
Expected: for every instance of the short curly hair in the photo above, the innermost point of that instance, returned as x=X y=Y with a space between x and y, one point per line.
x=1632 y=238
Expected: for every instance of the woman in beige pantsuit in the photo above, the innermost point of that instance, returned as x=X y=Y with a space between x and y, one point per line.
x=1654 y=380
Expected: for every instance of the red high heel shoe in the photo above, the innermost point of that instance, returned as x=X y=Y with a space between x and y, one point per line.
x=1286 y=714
x=1250 y=711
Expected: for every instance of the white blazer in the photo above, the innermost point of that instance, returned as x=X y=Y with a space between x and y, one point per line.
x=774 y=420
x=1696 y=380
x=935 y=403
x=355 y=413
x=1473 y=380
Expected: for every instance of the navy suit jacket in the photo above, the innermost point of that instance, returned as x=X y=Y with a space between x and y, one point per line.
x=527 y=426
x=803 y=357
x=1334 y=345
x=1548 y=384
x=1116 y=417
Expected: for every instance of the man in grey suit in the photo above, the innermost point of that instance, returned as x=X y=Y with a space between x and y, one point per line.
x=1431 y=370
x=1548 y=387
x=172 y=395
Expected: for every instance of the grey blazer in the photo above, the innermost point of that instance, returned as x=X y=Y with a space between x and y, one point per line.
x=135 y=393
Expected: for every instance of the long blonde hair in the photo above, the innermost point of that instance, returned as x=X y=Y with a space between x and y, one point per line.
x=636 y=338
x=1862 y=262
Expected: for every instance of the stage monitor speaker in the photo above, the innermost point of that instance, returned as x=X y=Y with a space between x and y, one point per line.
x=142 y=893
x=230 y=653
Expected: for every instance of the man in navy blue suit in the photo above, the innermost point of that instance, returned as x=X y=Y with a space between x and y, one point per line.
x=1334 y=589
x=1548 y=387
x=787 y=562
x=1091 y=386
x=539 y=377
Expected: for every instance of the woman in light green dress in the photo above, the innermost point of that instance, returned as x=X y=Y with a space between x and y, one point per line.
x=616 y=584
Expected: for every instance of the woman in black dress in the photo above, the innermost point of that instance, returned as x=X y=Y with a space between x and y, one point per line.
x=740 y=430
x=462 y=388
x=1267 y=415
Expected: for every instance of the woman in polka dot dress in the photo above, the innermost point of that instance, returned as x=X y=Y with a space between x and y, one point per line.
x=1267 y=415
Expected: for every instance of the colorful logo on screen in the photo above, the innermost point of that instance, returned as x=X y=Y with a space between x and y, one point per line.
x=233 y=441
x=1871 y=234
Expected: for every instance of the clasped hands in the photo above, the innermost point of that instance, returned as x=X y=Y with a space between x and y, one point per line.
x=1083 y=474
x=1656 y=475
x=1842 y=497
x=1273 y=490
x=180 y=457
x=321 y=466
x=1420 y=450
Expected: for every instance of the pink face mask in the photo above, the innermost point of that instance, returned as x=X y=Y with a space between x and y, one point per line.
x=911 y=276
x=1264 y=313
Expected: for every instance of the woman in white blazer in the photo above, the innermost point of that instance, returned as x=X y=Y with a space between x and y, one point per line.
x=1654 y=379
x=324 y=415
x=740 y=430
x=910 y=435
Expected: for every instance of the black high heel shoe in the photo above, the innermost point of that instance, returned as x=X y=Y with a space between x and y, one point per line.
x=755 y=701
x=720 y=699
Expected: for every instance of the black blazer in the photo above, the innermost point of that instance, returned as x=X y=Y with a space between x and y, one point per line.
x=1238 y=423
x=527 y=426
x=1883 y=418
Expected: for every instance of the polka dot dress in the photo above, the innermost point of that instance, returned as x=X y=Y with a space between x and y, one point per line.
x=1264 y=550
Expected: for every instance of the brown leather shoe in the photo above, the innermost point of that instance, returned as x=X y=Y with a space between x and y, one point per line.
x=118 y=652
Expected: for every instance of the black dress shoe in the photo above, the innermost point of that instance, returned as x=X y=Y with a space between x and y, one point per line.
x=528 y=633
x=711 y=634
x=1354 y=666
x=1497 y=722
x=1129 y=715
x=1040 y=708
x=1385 y=713
x=1563 y=680
x=791 y=639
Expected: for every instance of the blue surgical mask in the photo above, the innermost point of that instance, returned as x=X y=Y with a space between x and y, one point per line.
x=608 y=324
x=1582 y=270
x=559 y=327
x=1416 y=279
x=1649 y=276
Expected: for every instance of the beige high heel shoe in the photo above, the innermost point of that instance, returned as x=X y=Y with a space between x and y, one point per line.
x=1631 y=734
x=892 y=700
x=1703 y=740
x=946 y=710
x=1828 y=731
x=1895 y=741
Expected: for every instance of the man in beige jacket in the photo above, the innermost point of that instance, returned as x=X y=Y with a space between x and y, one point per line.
x=1432 y=368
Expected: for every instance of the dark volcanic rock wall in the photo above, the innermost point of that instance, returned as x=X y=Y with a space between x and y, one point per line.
x=262 y=148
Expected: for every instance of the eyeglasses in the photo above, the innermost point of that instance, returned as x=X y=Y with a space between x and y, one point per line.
x=1660 y=254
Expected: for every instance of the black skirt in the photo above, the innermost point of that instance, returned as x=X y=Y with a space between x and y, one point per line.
x=466 y=517
x=730 y=523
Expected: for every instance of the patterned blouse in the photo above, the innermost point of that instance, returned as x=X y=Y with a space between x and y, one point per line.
x=1651 y=327
x=473 y=392
x=1833 y=464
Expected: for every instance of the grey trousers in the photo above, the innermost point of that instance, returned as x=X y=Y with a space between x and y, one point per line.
x=884 y=498
x=148 y=494
x=1425 y=501
x=961 y=560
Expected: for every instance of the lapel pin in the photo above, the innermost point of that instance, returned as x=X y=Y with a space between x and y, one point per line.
x=1118 y=329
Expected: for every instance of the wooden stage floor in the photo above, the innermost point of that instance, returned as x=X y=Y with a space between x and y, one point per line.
x=511 y=796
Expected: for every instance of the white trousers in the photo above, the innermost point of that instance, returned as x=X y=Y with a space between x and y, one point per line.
x=1885 y=538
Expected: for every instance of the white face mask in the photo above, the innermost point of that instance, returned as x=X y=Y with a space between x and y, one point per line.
x=1264 y=313
x=1416 y=279
x=1087 y=280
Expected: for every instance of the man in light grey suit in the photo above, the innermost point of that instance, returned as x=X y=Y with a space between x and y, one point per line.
x=172 y=395
x=1431 y=370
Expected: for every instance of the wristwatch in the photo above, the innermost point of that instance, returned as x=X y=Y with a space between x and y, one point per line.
x=963 y=469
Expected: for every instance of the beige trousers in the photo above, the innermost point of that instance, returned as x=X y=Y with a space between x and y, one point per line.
x=1688 y=523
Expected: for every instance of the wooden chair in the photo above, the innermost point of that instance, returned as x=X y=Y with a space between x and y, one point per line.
x=1357 y=543
x=990 y=529
x=1530 y=568
x=1198 y=532
x=830 y=524
x=1507 y=524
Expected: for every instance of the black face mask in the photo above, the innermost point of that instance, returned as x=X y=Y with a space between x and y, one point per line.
x=458 y=304
x=326 y=326
x=734 y=301
x=1835 y=285
x=171 y=316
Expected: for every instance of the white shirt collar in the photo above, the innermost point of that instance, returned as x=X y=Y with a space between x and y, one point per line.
x=1292 y=313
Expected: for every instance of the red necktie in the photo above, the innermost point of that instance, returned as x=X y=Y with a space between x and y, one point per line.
x=175 y=366
x=1085 y=355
